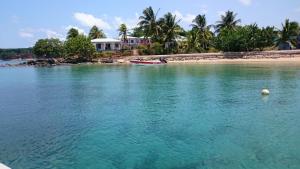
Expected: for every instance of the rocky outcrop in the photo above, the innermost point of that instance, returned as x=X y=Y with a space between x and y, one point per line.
x=44 y=62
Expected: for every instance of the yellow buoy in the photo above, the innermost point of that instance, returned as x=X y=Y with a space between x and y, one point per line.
x=265 y=92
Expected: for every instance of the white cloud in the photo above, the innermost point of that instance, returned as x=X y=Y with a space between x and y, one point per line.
x=246 y=2
x=81 y=31
x=90 y=20
x=39 y=33
x=187 y=18
x=26 y=34
x=52 y=34
x=130 y=22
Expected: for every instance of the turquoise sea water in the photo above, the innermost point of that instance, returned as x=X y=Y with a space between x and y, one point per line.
x=150 y=117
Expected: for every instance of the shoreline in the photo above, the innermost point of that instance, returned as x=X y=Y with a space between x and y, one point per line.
x=295 y=60
x=263 y=57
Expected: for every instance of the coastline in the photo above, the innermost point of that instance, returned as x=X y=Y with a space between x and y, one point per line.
x=264 y=57
x=295 y=60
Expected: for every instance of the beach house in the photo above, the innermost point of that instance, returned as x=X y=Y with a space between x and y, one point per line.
x=133 y=42
x=107 y=44
x=298 y=42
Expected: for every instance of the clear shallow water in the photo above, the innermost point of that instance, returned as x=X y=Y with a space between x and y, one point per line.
x=150 y=117
x=12 y=62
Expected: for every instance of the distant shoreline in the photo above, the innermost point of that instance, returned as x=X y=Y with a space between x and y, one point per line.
x=265 y=57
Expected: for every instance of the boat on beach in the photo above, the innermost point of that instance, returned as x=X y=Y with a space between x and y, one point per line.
x=161 y=61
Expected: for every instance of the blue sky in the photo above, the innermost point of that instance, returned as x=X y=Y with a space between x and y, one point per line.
x=22 y=22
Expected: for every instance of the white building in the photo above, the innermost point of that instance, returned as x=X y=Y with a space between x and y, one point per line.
x=107 y=44
x=135 y=41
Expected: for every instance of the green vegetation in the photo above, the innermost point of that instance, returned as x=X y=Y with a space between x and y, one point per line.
x=228 y=21
x=287 y=36
x=7 y=54
x=79 y=49
x=123 y=32
x=48 y=48
x=228 y=35
x=167 y=37
x=95 y=33
x=72 y=33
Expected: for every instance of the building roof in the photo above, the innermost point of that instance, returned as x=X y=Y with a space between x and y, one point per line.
x=129 y=37
x=132 y=37
x=105 y=40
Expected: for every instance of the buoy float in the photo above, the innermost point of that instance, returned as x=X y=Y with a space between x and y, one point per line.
x=265 y=92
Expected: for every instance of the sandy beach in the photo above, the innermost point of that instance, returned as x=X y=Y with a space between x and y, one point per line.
x=295 y=60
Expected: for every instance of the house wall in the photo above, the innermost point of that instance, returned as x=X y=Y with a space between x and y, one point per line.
x=134 y=42
x=107 y=46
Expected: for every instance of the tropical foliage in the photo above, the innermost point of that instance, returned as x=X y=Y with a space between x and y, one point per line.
x=228 y=21
x=79 y=48
x=287 y=36
x=123 y=31
x=167 y=36
x=95 y=33
x=72 y=33
x=48 y=48
x=149 y=24
x=201 y=36
x=7 y=54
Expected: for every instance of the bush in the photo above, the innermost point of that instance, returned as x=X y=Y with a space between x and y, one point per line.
x=156 y=48
x=143 y=50
x=244 y=38
x=48 y=48
x=126 y=53
x=104 y=54
x=80 y=48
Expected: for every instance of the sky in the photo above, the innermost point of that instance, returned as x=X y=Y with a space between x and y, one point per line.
x=23 y=22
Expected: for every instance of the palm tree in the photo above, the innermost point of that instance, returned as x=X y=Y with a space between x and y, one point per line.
x=228 y=21
x=72 y=33
x=203 y=33
x=169 y=28
x=96 y=33
x=148 y=23
x=288 y=35
x=123 y=32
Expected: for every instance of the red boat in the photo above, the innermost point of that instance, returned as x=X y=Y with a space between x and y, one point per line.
x=149 y=62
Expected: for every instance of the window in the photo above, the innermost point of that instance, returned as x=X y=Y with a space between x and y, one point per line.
x=108 y=47
x=132 y=41
x=98 y=46
x=116 y=45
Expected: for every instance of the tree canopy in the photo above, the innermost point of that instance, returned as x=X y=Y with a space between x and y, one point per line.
x=72 y=33
x=95 y=33
x=123 y=31
x=48 y=48
x=79 y=48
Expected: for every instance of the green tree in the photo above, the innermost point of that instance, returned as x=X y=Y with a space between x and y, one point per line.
x=96 y=33
x=267 y=37
x=137 y=32
x=123 y=32
x=148 y=22
x=228 y=21
x=203 y=34
x=72 y=33
x=48 y=48
x=79 y=49
x=169 y=30
x=244 y=38
x=287 y=36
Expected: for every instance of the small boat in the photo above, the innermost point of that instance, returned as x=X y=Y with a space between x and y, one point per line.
x=149 y=62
